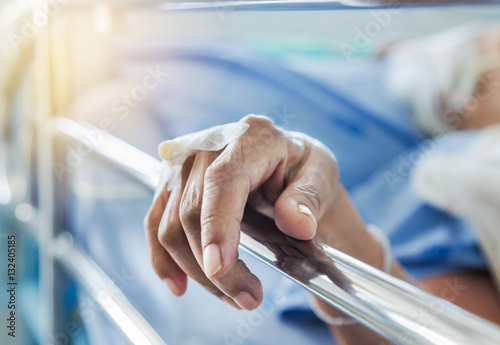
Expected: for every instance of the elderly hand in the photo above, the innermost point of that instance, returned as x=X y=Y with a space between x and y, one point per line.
x=194 y=229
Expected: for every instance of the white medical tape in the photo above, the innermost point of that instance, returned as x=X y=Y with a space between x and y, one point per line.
x=175 y=151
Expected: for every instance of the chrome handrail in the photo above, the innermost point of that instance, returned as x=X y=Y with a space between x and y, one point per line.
x=105 y=292
x=275 y=5
x=87 y=273
x=393 y=308
x=304 y=5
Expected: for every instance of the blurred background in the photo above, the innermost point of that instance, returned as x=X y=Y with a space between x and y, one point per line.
x=150 y=71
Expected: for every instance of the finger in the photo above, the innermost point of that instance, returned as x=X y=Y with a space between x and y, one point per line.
x=242 y=167
x=173 y=238
x=307 y=195
x=239 y=283
x=163 y=264
x=191 y=202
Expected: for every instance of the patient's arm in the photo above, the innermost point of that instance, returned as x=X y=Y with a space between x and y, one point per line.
x=450 y=80
x=193 y=228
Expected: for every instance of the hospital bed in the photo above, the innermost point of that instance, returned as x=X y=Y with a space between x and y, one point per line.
x=32 y=194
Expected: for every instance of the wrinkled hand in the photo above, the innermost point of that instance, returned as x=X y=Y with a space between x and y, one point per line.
x=194 y=229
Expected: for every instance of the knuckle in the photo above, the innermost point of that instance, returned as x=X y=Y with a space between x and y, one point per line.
x=189 y=213
x=258 y=120
x=221 y=173
x=263 y=126
x=171 y=237
x=263 y=135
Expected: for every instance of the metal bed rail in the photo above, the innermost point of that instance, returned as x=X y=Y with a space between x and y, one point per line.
x=87 y=273
x=393 y=308
x=276 y=5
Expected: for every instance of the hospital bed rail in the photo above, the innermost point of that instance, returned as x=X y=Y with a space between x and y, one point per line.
x=393 y=308
x=98 y=285
x=277 y=5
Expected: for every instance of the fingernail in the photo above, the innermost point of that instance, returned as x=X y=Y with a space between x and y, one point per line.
x=171 y=286
x=230 y=301
x=246 y=301
x=305 y=210
x=212 y=261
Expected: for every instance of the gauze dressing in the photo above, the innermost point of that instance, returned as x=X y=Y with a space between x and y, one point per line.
x=426 y=70
x=465 y=182
x=174 y=152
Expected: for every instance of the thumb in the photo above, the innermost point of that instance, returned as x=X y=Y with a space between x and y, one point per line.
x=301 y=205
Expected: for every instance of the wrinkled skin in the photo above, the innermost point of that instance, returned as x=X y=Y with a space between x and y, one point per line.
x=194 y=229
